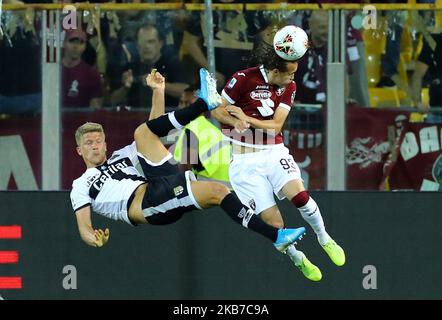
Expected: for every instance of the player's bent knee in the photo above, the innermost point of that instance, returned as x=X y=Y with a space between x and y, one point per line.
x=141 y=132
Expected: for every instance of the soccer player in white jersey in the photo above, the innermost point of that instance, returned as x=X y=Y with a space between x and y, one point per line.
x=114 y=188
x=261 y=165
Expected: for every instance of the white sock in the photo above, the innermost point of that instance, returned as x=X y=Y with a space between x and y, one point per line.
x=310 y=213
x=294 y=254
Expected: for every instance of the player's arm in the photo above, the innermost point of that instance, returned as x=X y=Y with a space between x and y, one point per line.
x=92 y=237
x=276 y=123
x=158 y=84
x=224 y=117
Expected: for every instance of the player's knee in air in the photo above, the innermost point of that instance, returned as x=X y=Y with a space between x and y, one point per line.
x=142 y=131
x=218 y=192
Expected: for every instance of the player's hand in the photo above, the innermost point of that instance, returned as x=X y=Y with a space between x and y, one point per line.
x=127 y=79
x=241 y=126
x=155 y=80
x=101 y=237
x=237 y=113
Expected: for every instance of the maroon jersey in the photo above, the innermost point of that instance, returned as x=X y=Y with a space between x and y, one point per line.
x=250 y=90
x=80 y=84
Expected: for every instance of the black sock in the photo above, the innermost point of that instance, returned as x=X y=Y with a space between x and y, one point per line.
x=161 y=126
x=187 y=114
x=246 y=217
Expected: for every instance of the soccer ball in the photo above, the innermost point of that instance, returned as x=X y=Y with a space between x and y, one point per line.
x=290 y=43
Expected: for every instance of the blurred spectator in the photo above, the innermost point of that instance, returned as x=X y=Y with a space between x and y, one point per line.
x=81 y=83
x=123 y=46
x=429 y=66
x=312 y=73
x=396 y=21
x=20 y=65
x=390 y=61
x=358 y=78
x=166 y=21
x=235 y=33
x=129 y=86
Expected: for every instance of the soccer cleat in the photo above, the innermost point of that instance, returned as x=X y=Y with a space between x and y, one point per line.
x=335 y=252
x=208 y=91
x=308 y=269
x=288 y=236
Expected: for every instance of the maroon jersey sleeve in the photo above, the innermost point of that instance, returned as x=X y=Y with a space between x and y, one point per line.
x=234 y=88
x=288 y=96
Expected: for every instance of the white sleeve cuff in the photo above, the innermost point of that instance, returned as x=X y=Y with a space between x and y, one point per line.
x=225 y=96
x=285 y=106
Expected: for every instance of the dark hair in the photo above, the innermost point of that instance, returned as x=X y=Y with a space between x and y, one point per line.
x=264 y=54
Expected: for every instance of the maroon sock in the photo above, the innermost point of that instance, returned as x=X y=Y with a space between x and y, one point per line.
x=300 y=199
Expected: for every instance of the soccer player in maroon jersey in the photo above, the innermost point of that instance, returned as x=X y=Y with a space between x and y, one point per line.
x=261 y=166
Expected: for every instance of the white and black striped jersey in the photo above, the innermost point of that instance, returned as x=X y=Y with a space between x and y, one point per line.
x=108 y=187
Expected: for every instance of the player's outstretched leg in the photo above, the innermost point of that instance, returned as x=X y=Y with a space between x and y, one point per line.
x=209 y=194
x=209 y=100
x=310 y=212
x=245 y=216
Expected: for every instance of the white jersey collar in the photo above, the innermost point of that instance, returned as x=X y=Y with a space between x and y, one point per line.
x=264 y=74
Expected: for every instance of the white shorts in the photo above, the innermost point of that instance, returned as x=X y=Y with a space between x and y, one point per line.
x=256 y=176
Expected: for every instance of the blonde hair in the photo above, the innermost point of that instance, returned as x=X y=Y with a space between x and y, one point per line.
x=86 y=128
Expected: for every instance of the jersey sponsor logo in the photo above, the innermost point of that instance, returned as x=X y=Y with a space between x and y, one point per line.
x=231 y=83
x=260 y=94
x=110 y=171
x=262 y=87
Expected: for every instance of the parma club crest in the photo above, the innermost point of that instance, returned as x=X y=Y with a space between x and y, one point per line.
x=252 y=204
